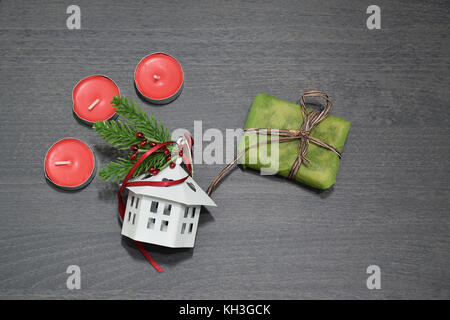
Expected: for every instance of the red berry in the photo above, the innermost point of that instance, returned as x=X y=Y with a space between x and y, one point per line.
x=166 y=151
x=172 y=165
x=151 y=169
x=143 y=143
x=155 y=172
x=134 y=147
x=140 y=135
x=133 y=156
x=180 y=153
x=168 y=157
x=152 y=144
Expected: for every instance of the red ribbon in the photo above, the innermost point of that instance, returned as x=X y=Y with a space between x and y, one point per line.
x=125 y=184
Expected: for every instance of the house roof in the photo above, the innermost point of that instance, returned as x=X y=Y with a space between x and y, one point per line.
x=188 y=192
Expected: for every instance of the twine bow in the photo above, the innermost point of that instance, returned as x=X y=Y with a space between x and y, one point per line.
x=310 y=121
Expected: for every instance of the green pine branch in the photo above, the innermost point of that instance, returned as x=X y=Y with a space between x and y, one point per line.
x=136 y=117
x=121 y=134
x=116 y=171
x=116 y=133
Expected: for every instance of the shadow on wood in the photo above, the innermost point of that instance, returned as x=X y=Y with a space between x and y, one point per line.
x=205 y=217
x=162 y=255
x=54 y=187
x=322 y=193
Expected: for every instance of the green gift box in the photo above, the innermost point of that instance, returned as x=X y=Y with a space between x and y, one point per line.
x=273 y=113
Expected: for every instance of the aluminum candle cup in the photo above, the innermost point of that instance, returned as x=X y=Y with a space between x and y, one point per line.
x=158 y=78
x=92 y=99
x=70 y=164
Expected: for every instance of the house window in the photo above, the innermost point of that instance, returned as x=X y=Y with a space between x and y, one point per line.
x=191 y=185
x=191 y=226
x=129 y=216
x=134 y=218
x=183 y=228
x=137 y=203
x=132 y=201
x=151 y=223
x=193 y=212
x=154 y=207
x=186 y=210
x=167 y=209
x=164 y=225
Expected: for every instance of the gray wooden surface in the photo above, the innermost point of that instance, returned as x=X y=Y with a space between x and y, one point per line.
x=268 y=237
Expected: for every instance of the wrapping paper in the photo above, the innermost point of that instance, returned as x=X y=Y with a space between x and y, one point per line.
x=268 y=112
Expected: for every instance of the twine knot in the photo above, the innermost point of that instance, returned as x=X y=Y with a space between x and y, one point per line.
x=310 y=121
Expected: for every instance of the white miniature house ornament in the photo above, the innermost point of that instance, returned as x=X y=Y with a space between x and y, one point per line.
x=166 y=216
x=163 y=207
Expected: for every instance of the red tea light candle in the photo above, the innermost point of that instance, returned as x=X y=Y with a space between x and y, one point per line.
x=92 y=99
x=69 y=164
x=159 y=78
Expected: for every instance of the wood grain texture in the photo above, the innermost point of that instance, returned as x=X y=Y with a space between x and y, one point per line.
x=268 y=237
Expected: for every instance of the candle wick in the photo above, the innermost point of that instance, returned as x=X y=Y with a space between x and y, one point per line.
x=93 y=104
x=156 y=77
x=62 y=163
